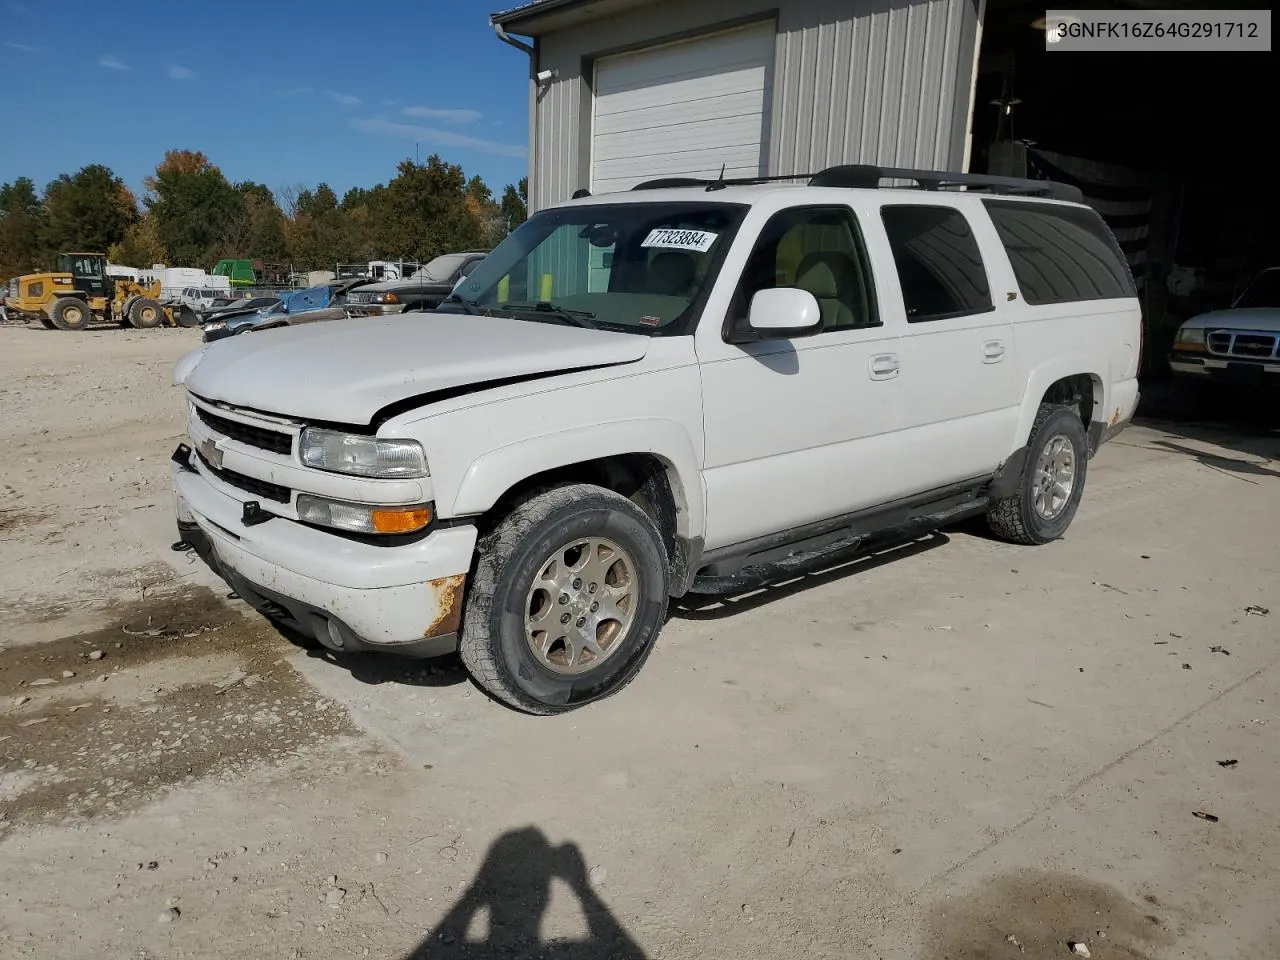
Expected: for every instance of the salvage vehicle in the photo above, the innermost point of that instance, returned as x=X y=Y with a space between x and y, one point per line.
x=1239 y=346
x=79 y=291
x=690 y=388
x=288 y=312
x=425 y=290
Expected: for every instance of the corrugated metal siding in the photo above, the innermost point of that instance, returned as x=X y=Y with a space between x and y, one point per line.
x=877 y=87
x=855 y=81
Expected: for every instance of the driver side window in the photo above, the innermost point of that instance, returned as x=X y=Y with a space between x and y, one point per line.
x=818 y=249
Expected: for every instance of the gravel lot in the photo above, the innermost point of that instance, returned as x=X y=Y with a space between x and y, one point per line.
x=972 y=751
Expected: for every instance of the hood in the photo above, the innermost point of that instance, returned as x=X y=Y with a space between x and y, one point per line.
x=1245 y=318
x=406 y=283
x=346 y=371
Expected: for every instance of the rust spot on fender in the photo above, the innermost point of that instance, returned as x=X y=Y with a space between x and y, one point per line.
x=1115 y=417
x=448 y=592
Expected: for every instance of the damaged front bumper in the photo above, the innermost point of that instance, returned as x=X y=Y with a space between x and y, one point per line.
x=347 y=594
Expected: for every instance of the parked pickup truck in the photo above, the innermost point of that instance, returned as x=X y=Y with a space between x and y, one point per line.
x=1238 y=346
x=690 y=388
x=425 y=290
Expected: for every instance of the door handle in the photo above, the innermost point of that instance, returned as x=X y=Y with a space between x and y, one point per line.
x=993 y=351
x=884 y=366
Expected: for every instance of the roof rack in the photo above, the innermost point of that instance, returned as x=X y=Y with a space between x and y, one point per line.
x=717 y=184
x=865 y=176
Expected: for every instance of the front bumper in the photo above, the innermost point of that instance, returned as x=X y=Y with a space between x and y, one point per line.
x=1245 y=373
x=374 y=309
x=349 y=595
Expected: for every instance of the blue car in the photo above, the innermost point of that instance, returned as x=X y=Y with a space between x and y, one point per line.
x=299 y=306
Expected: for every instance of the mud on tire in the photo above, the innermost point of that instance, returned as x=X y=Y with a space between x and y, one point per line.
x=1057 y=438
x=507 y=594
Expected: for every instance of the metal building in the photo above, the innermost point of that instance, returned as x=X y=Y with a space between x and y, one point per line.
x=627 y=90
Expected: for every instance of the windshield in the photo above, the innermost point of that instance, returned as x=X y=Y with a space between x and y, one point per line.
x=1263 y=292
x=639 y=267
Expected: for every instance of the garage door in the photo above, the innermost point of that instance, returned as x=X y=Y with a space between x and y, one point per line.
x=683 y=109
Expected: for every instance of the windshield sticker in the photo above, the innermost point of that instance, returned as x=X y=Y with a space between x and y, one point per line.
x=665 y=239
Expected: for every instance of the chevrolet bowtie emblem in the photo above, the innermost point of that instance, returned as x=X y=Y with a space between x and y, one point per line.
x=211 y=453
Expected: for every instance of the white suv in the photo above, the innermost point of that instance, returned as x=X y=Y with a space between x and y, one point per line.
x=691 y=388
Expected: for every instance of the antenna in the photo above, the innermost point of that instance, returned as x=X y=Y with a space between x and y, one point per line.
x=719 y=183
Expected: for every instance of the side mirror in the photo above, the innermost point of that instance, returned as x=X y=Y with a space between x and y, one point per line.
x=783 y=313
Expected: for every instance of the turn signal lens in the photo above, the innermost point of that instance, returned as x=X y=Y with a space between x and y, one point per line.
x=390 y=298
x=362 y=518
x=400 y=521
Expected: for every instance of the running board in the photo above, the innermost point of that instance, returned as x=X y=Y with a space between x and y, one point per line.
x=755 y=576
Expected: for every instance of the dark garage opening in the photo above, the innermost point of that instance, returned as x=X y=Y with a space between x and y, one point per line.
x=1172 y=148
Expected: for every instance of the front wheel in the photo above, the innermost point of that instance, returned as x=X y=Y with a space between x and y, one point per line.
x=70 y=313
x=145 y=314
x=1052 y=481
x=569 y=593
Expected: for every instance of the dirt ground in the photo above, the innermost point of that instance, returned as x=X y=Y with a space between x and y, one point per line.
x=962 y=750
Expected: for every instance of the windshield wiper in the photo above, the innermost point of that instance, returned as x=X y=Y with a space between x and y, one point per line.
x=578 y=318
x=470 y=306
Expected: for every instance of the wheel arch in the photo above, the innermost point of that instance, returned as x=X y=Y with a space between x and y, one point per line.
x=651 y=462
x=1075 y=380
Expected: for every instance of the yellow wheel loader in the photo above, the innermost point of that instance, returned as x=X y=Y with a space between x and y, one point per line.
x=79 y=292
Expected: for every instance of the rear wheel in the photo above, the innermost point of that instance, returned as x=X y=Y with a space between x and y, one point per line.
x=70 y=313
x=569 y=593
x=145 y=313
x=1052 y=481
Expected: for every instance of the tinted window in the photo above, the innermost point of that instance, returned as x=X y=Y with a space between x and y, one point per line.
x=818 y=249
x=1061 y=254
x=938 y=262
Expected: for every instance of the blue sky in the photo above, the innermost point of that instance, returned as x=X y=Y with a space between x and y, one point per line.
x=275 y=92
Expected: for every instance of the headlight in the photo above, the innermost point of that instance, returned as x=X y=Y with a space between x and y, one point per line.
x=361 y=518
x=362 y=456
x=1190 y=338
x=214 y=327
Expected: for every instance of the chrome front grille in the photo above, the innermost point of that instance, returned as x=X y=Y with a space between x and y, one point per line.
x=259 y=488
x=1244 y=344
x=259 y=437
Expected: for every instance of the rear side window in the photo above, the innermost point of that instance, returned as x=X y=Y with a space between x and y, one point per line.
x=1061 y=254
x=938 y=262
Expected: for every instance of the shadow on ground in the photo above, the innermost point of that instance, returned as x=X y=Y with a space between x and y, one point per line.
x=508 y=900
x=702 y=607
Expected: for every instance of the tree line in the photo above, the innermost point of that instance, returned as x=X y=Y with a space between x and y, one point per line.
x=191 y=215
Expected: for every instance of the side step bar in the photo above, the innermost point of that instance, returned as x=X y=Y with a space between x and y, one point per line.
x=755 y=576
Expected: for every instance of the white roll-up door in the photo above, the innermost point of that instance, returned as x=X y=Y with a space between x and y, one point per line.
x=682 y=109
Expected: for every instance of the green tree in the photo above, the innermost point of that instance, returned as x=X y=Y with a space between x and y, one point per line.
x=259 y=230
x=141 y=246
x=196 y=209
x=89 y=210
x=515 y=203
x=21 y=226
x=318 y=235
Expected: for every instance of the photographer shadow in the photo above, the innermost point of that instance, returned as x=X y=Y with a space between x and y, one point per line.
x=513 y=887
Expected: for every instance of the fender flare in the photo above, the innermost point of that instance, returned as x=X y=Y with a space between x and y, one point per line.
x=493 y=474
x=1048 y=373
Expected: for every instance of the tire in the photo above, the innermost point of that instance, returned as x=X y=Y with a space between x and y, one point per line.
x=504 y=592
x=70 y=313
x=123 y=318
x=1057 y=437
x=145 y=313
x=186 y=317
